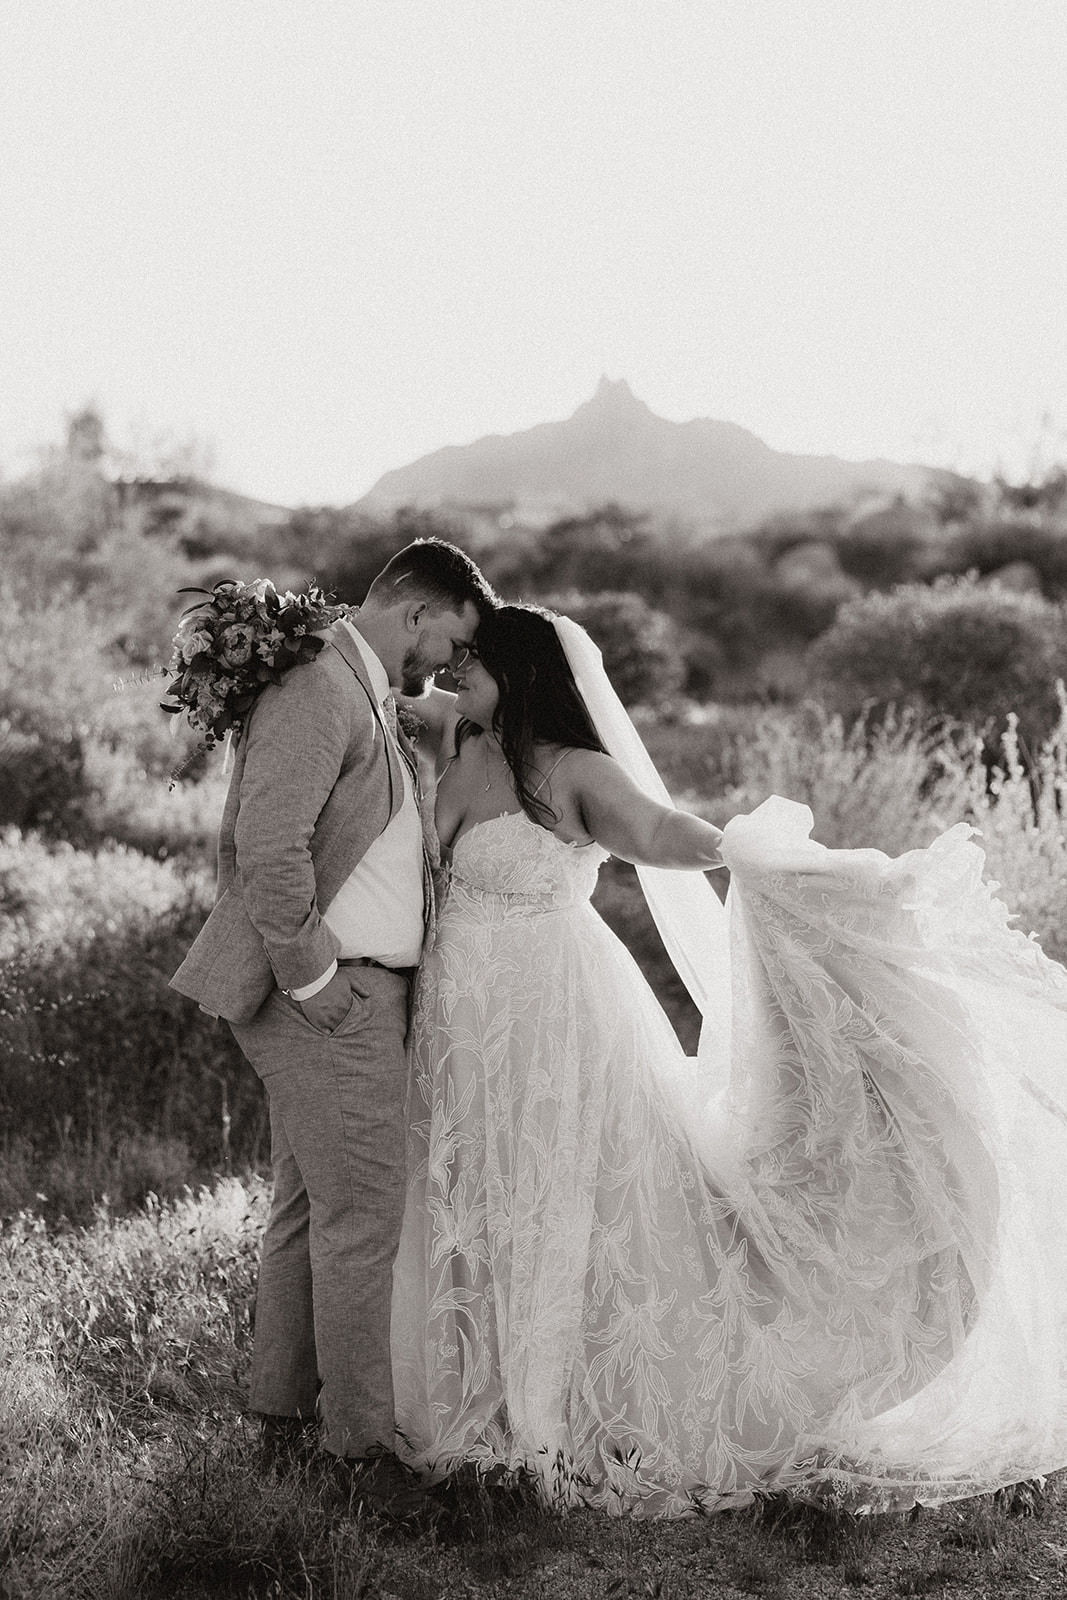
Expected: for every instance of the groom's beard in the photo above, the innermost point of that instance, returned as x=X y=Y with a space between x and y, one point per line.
x=416 y=674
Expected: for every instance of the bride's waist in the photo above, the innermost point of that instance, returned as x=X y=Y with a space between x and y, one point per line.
x=462 y=892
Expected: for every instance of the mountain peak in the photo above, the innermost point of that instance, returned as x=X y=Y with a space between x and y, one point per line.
x=614 y=389
x=614 y=399
x=715 y=475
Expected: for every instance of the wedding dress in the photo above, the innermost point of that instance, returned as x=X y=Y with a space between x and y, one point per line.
x=832 y=1257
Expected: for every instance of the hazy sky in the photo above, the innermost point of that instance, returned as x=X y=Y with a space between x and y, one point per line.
x=327 y=236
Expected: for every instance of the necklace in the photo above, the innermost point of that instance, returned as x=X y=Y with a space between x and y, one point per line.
x=491 y=779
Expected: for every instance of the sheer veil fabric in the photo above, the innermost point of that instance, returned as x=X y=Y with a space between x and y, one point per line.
x=684 y=907
x=828 y=1253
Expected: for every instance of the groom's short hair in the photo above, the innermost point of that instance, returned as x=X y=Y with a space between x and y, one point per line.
x=437 y=572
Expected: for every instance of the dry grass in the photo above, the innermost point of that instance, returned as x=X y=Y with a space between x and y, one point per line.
x=128 y=1467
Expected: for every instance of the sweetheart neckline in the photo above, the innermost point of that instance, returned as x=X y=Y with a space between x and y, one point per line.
x=507 y=816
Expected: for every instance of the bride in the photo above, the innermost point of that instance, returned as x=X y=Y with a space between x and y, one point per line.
x=829 y=1253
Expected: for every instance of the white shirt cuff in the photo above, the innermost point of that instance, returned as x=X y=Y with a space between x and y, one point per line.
x=313 y=988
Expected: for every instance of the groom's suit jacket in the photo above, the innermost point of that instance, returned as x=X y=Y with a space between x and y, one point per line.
x=316 y=779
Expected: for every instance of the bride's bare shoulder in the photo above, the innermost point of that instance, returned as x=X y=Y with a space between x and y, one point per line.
x=586 y=765
x=570 y=771
x=594 y=775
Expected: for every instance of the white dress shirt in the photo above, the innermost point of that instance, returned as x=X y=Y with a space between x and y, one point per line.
x=379 y=911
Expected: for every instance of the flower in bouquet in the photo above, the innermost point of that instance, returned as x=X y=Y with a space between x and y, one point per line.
x=234 y=642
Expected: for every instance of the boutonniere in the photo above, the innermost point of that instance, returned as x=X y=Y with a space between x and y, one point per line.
x=409 y=723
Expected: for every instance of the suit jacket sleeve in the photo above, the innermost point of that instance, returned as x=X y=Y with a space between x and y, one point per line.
x=298 y=738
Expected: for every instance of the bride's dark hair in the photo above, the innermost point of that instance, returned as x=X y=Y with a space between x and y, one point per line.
x=539 y=700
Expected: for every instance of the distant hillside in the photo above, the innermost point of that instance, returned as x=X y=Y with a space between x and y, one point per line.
x=714 y=475
x=185 y=503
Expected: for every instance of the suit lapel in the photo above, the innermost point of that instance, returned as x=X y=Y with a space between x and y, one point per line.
x=346 y=646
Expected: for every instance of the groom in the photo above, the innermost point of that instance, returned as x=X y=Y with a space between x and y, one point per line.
x=308 y=954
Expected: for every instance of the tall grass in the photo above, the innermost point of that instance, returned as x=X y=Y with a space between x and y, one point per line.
x=129 y=1466
x=892 y=787
x=1022 y=823
x=110 y=1083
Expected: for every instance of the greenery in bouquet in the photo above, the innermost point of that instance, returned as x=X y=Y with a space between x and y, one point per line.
x=233 y=643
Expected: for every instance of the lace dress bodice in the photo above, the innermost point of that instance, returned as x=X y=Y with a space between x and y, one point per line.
x=523 y=866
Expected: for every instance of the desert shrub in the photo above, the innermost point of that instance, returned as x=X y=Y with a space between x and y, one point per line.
x=57 y=901
x=80 y=728
x=1042 y=493
x=701 y=753
x=53 y=680
x=889 y=786
x=887 y=547
x=103 y=1067
x=52 y=521
x=954 y=650
x=343 y=549
x=984 y=546
x=134 y=806
x=43 y=782
x=738 y=602
x=606 y=550
x=133 y=583
x=64 y=531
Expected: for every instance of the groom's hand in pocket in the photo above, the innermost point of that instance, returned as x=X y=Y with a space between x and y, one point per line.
x=327 y=1009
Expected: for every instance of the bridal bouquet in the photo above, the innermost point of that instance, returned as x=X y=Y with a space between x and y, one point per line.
x=231 y=644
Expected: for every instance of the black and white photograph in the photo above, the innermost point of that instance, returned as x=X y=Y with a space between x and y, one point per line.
x=533 y=800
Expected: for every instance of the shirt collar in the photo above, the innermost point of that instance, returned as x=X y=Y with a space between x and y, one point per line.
x=379 y=678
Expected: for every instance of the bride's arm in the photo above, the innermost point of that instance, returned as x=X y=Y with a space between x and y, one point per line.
x=437 y=711
x=630 y=824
